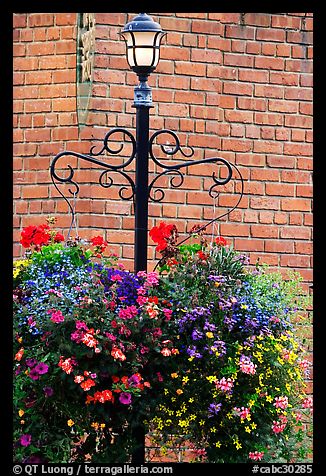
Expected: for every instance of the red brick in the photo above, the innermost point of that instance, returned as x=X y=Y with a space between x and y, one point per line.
x=283 y=106
x=252 y=104
x=297 y=149
x=208 y=27
x=288 y=79
x=274 y=246
x=261 y=231
x=196 y=69
x=268 y=34
x=295 y=261
x=296 y=204
x=265 y=203
x=239 y=32
x=65 y=19
x=228 y=229
x=280 y=189
x=232 y=59
x=281 y=162
x=35 y=191
x=269 y=147
x=40 y=19
x=37 y=135
x=239 y=116
x=257 y=19
x=270 y=119
x=269 y=63
x=296 y=232
x=237 y=145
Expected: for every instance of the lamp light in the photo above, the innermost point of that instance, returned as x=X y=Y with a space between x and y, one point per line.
x=143 y=38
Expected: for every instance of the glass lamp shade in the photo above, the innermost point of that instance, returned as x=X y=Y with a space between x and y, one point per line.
x=143 y=38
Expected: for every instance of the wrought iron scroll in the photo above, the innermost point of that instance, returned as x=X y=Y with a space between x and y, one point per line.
x=91 y=157
x=177 y=181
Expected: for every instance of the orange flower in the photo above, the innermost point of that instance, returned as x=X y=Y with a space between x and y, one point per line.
x=19 y=354
x=87 y=384
x=166 y=352
x=118 y=354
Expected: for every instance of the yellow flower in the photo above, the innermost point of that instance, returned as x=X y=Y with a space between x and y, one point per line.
x=166 y=391
x=191 y=400
x=213 y=429
x=21 y=413
x=253 y=425
x=211 y=378
x=70 y=422
x=218 y=444
x=102 y=425
x=185 y=379
x=237 y=445
x=251 y=403
x=269 y=398
x=174 y=375
x=229 y=415
x=202 y=422
x=210 y=335
x=20 y=340
x=244 y=306
x=247 y=429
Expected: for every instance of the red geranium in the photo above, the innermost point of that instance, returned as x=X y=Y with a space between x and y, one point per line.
x=35 y=236
x=160 y=234
x=99 y=243
x=220 y=241
x=58 y=237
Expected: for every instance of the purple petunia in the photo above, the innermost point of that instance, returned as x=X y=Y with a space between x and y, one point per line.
x=48 y=391
x=31 y=362
x=125 y=398
x=41 y=368
x=25 y=440
x=214 y=408
x=34 y=375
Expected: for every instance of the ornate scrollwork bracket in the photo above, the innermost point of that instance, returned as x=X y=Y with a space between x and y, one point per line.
x=105 y=180
x=177 y=178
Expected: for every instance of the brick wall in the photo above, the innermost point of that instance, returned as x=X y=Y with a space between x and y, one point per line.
x=233 y=85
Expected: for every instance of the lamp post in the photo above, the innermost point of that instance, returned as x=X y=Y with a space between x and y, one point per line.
x=143 y=38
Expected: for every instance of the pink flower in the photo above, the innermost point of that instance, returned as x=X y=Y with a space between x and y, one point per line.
x=128 y=312
x=279 y=425
x=56 y=316
x=116 y=277
x=25 y=440
x=167 y=313
x=246 y=366
x=242 y=412
x=151 y=280
x=307 y=402
x=224 y=384
x=142 y=300
x=80 y=325
x=110 y=336
x=256 y=455
x=281 y=402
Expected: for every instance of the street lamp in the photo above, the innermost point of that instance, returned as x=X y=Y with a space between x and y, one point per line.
x=143 y=38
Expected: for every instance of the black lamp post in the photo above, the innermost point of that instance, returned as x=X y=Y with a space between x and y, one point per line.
x=143 y=38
